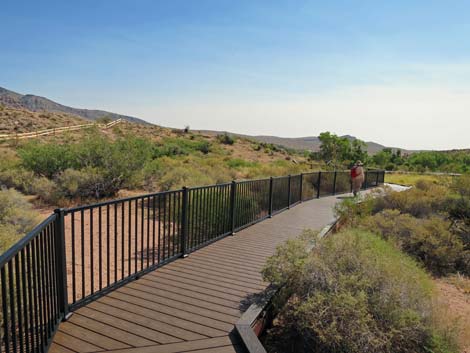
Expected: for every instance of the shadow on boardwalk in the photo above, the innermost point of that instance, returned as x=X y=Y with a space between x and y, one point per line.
x=190 y=304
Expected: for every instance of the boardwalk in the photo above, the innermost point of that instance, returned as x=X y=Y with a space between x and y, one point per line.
x=192 y=304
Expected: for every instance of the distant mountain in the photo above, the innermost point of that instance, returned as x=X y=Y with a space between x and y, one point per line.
x=37 y=104
x=309 y=143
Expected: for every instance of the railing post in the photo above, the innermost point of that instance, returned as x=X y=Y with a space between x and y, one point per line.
x=334 y=182
x=365 y=179
x=233 y=196
x=288 y=192
x=184 y=223
x=59 y=233
x=318 y=185
x=271 y=183
x=377 y=178
x=301 y=186
x=351 y=182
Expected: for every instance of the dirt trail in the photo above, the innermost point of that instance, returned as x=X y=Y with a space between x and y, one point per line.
x=458 y=302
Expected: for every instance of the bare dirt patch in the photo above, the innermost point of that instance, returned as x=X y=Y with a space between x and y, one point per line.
x=454 y=293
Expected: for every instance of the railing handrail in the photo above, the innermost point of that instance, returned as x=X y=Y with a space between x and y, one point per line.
x=190 y=218
x=238 y=181
x=24 y=135
x=20 y=244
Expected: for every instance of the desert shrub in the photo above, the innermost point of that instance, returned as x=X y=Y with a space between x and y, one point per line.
x=171 y=173
x=461 y=185
x=95 y=166
x=16 y=218
x=47 y=190
x=419 y=202
x=352 y=212
x=240 y=163
x=353 y=293
x=20 y=179
x=106 y=119
x=226 y=139
x=428 y=240
x=85 y=183
x=45 y=159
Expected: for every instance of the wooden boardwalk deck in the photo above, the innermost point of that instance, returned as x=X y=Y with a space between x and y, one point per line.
x=191 y=304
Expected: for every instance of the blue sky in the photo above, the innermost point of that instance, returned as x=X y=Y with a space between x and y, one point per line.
x=396 y=72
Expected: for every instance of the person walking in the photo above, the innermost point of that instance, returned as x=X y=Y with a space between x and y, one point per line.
x=357 y=177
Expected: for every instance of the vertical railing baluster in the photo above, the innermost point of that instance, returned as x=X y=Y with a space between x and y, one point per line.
x=318 y=185
x=184 y=222
x=288 y=191
x=271 y=182
x=334 y=182
x=74 y=280
x=100 y=249
x=6 y=331
x=233 y=195
x=61 y=262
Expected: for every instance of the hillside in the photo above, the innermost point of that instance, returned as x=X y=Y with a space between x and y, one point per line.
x=40 y=104
x=309 y=143
x=19 y=120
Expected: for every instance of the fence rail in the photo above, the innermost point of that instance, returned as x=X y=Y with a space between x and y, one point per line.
x=53 y=131
x=79 y=254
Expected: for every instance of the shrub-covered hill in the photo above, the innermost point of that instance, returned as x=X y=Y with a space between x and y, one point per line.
x=14 y=120
x=83 y=165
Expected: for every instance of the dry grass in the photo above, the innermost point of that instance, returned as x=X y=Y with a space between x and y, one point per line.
x=412 y=179
x=454 y=296
x=21 y=120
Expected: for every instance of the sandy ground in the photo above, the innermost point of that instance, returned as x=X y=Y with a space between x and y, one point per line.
x=107 y=248
x=458 y=302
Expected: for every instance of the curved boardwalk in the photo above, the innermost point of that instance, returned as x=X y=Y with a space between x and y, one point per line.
x=191 y=304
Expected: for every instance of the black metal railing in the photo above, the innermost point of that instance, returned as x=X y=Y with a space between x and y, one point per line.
x=81 y=253
x=33 y=288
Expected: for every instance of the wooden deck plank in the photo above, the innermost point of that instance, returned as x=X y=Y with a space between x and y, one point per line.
x=127 y=326
x=66 y=341
x=240 y=276
x=194 y=288
x=169 y=290
x=216 y=280
x=151 y=323
x=219 y=325
x=57 y=348
x=179 y=279
x=187 y=300
x=186 y=346
x=92 y=337
x=189 y=305
x=249 y=276
x=110 y=331
x=170 y=303
x=172 y=321
x=207 y=280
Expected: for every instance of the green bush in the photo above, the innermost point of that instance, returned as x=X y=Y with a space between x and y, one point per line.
x=353 y=293
x=428 y=240
x=181 y=147
x=237 y=163
x=20 y=179
x=47 y=190
x=85 y=183
x=461 y=185
x=226 y=139
x=424 y=200
x=45 y=159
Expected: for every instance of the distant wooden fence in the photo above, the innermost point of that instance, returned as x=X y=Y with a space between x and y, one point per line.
x=53 y=131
